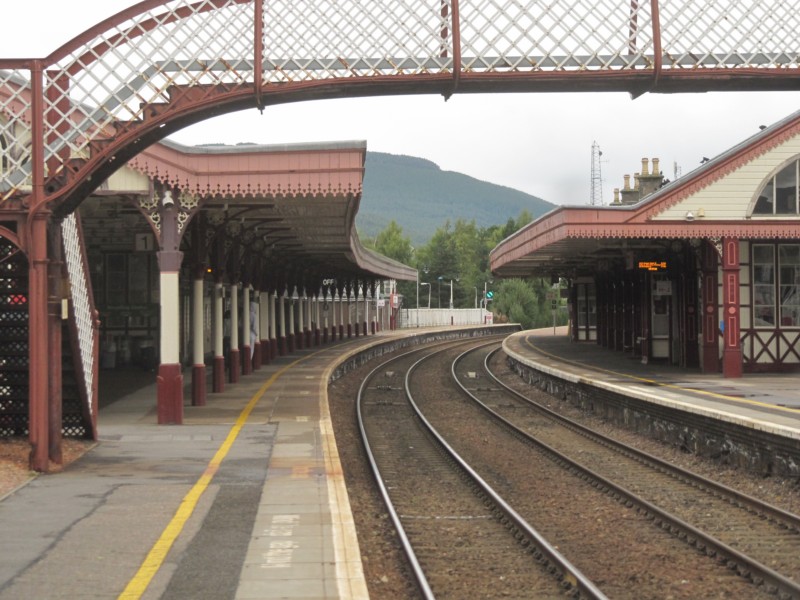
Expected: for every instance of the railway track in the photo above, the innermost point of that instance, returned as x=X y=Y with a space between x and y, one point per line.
x=461 y=538
x=758 y=541
x=629 y=525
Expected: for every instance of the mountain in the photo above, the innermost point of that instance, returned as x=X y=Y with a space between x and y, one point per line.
x=421 y=197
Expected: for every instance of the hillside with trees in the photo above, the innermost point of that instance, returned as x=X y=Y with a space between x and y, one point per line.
x=459 y=252
x=419 y=196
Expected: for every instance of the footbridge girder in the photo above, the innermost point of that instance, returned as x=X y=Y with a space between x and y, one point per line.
x=71 y=118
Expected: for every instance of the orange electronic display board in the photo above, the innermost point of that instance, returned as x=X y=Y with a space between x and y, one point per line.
x=653 y=265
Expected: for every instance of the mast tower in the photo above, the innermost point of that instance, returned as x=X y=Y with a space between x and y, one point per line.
x=596 y=188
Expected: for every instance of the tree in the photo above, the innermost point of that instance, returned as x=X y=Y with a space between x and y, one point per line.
x=460 y=253
x=517 y=301
x=440 y=258
x=392 y=243
x=525 y=302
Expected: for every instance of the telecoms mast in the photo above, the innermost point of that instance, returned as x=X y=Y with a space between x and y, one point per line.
x=596 y=190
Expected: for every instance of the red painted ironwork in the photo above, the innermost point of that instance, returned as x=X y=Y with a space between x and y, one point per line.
x=160 y=65
x=732 y=346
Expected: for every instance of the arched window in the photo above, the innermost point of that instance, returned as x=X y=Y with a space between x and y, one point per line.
x=781 y=192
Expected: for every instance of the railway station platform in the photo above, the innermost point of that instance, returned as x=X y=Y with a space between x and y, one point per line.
x=765 y=405
x=769 y=401
x=245 y=500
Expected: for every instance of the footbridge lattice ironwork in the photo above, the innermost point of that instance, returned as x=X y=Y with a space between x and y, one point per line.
x=71 y=118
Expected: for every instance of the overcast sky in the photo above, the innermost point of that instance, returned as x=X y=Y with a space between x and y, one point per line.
x=537 y=143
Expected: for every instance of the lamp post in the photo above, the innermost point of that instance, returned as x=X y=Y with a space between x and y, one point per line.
x=417 y=299
x=439 y=292
x=476 y=295
x=429 y=292
x=451 y=294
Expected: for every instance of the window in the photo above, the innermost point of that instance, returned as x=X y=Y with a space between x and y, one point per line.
x=780 y=193
x=587 y=306
x=781 y=308
x=763 y=285
x=789 y=281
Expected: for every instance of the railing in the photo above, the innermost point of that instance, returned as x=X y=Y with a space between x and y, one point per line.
x=83 y=319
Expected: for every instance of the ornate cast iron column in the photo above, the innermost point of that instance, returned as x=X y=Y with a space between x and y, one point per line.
x=732 y=344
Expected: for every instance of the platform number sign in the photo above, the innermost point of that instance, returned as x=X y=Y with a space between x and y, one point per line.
x=489 y=295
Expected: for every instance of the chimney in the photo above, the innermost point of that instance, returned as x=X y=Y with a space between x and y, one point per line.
x=645 y=171
x=616 y=196
x=630 y=195
x=650 y=182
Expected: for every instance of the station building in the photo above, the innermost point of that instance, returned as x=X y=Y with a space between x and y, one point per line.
x=703 y=271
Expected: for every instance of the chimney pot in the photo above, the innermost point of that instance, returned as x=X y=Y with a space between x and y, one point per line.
x=655 y=167
x=645 y=172
x=627 y=185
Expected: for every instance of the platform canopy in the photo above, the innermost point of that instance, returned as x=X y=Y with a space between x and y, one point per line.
x=748 y=192
x=291 y=208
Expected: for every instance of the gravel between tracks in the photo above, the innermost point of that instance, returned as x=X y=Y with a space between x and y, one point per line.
x=388 y=577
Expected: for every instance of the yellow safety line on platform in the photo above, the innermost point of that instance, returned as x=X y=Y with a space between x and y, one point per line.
x=660 y=384
x=158 y=553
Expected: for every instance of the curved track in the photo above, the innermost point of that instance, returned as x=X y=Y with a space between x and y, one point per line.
x=759 y=541
x=461 y=538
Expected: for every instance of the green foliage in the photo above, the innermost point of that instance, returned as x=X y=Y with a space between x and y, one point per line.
x=459 y=253
x=525 y=302
x=392 y=243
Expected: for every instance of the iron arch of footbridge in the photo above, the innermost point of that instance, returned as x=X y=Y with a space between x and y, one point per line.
x=75 y=116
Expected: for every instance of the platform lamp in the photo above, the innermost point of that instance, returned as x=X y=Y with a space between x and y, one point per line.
x=429 y=292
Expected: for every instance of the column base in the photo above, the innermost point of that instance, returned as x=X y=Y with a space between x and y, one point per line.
x=247 y=360
x=349 y=330
x=170 y=395
x=317 y=337
x=218 y=375
x=299 y=340
x=365 y=327
x=233 y=362
x=325 y=335
x=283 y=346
x=265 y=352
x=257 y=356
x=290 y=343
x=732 y=363
x=198 y=385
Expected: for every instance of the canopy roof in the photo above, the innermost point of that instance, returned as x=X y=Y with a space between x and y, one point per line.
x=293 y=206
x=713 y=201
